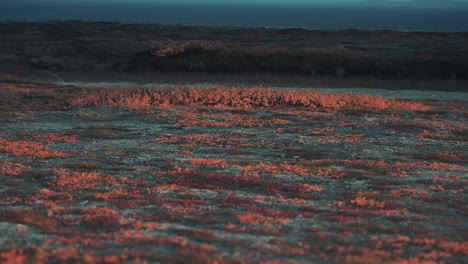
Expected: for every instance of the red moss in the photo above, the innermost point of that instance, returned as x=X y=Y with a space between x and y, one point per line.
x=102 y=218
x=354 y=139
x=400 y=168
x=60 y=137
x=12 y=168
x=258 y=219
x=412 y=193
x=81 y=180
x=29 y=149
x=13 y=256
x=213 y=181
x=275 y=214
x=235 y=228
x=208 y=162
x=432 y=135
x=125 y=194
x=341 y=219
x=253 y=170
x=236 y=201
x=363 y=201
x=30 y=217
x=432 y=199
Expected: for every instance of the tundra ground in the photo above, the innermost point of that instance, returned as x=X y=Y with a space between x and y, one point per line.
x=229 y=175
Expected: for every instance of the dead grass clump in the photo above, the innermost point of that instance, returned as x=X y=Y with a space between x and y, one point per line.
x=364 y=201
x=171 y=48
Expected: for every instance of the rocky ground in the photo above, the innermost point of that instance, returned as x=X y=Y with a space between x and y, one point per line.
x=229 y=175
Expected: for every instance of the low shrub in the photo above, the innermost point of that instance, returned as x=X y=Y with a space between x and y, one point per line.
x=237 y=97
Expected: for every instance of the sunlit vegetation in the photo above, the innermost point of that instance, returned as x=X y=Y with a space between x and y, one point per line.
x=237 y=98
x=229 y=175
x=28 y=149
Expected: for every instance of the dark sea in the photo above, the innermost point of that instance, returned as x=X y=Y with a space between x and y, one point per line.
x=314 y=17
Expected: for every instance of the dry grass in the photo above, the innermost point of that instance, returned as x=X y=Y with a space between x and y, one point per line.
x=237 y=98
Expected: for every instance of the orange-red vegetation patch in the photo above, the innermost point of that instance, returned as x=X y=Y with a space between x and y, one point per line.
x=401 y=168
x=219 y=182
x=81 y=180
x=208 y=162
x=237 y=97
x=102 y=218
x=53 y=138
x=354 y=139
x=12 y=168
x=258 y=219
x=213 y=181
x=391 y=249
x=363 y=201
x=29 y=149
x=13 y=256
x=412 y=193
x=313 y=188
x=293 y=169
x=446 y=156
x=125 y=194
x=253 y=170
x=24 y=88
x=30 y=217
x=51 y=199
x=432 y=135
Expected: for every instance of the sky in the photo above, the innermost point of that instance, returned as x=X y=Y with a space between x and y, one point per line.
x=357 y=3
x=420 y=3
x=430 y=15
